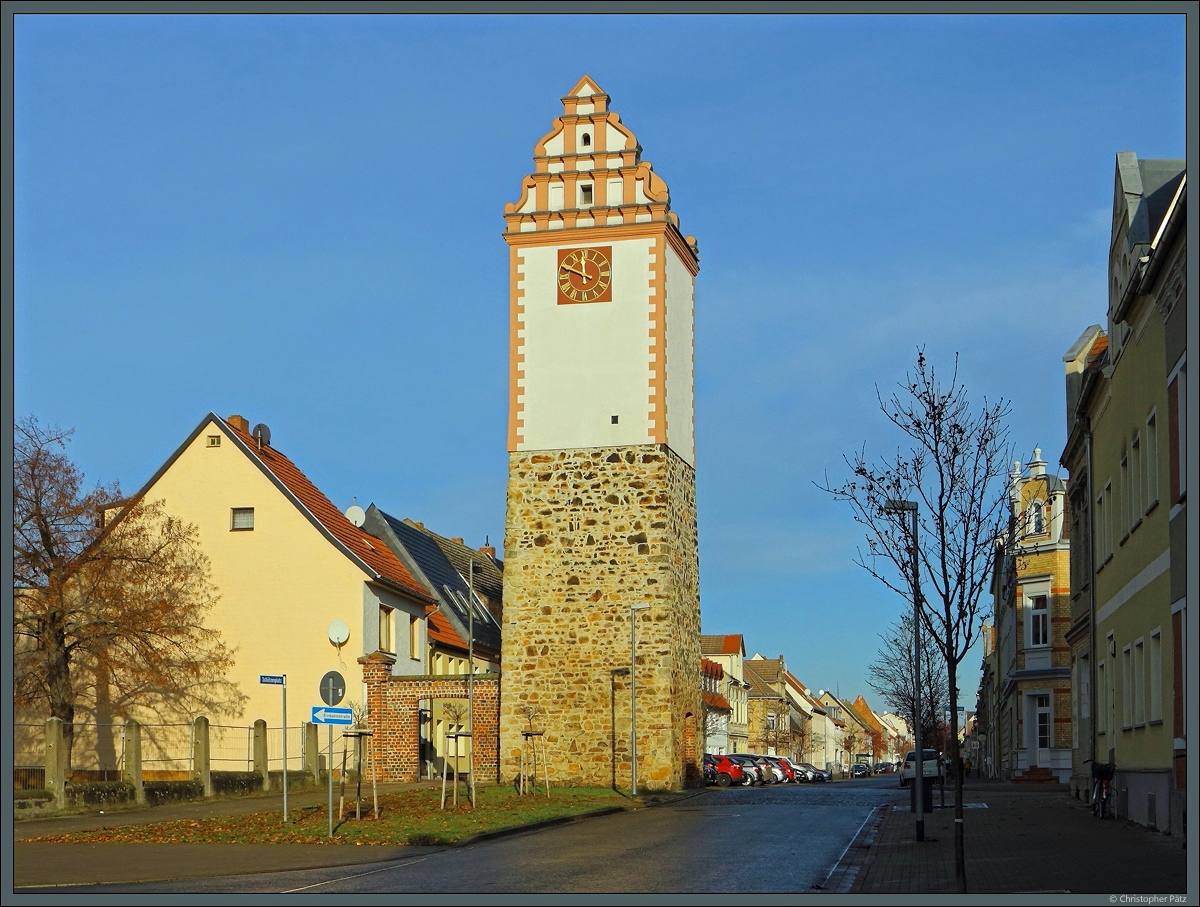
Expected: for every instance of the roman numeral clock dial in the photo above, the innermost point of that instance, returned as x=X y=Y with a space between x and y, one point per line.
x=585 y=275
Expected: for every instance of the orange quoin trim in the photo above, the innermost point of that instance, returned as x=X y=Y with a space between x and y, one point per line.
x=591 y=191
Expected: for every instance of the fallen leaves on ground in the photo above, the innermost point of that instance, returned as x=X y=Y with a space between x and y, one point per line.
x=407 y=817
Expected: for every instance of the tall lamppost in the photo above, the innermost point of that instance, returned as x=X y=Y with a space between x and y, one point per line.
x=633 y=696
x=910 y=507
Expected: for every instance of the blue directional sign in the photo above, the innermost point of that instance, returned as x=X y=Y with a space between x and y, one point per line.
x=276 y=679
x=323 y=714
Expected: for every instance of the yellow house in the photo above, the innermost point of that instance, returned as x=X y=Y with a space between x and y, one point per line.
x=1031 y=589
x=304 y=591
x=1125 y=449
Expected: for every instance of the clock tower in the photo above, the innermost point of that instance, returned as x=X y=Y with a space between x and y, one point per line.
x=601 y=516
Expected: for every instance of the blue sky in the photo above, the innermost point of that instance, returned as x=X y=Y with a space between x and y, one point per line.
x=299 y=218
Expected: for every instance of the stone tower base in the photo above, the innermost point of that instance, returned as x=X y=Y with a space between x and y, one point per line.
x=590 y=532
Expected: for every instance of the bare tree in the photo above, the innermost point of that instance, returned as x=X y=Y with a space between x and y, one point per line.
x=955 y=469
x=106 y=618
x=891 y=676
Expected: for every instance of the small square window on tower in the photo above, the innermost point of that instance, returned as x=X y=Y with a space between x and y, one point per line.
x=242 y=518
x=614 y=420
x=585 y=195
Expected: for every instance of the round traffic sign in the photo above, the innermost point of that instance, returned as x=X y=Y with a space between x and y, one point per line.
x=333 y=688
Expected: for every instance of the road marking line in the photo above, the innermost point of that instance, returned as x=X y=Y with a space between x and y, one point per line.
x=359 y=875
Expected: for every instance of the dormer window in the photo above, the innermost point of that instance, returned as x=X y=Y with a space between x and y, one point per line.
x=1037 y=518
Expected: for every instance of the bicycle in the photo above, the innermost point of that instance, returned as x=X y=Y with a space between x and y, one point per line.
x=1102 y=775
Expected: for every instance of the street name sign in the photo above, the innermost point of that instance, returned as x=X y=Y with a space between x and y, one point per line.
x=323 y=714
x=276 y=679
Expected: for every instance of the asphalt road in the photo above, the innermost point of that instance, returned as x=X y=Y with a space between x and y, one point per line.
x=782 y=838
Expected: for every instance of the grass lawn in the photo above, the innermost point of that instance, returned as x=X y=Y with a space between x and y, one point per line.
x=405 y=817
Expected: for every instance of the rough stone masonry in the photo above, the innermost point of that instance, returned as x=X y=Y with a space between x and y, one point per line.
x=588 y=533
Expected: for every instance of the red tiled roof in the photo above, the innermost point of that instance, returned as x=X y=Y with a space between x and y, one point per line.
x=366 y=547
x=707 y=666
x=722 y=645
x=441 y=631
x=716 y=701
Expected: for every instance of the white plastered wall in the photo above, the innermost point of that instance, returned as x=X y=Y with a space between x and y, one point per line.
x=680 y=359
x=585 y=363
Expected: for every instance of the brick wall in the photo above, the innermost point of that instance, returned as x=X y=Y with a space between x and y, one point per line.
x=393 y=713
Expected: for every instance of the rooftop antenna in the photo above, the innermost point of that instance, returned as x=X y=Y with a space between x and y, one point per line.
x=356 y=514
x=262 y=435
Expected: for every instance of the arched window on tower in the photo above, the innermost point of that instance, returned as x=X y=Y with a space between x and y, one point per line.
x=585 y=140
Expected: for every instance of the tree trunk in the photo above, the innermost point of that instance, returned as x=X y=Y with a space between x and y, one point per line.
x=58 y=683
x=960 y=859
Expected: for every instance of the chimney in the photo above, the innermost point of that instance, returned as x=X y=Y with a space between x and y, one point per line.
x=239 y=423
x=457 y=540
x=489 y=550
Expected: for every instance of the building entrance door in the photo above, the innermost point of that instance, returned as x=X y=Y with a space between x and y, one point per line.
x=1043 y=725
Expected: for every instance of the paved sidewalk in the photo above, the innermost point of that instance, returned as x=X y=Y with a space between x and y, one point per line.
x=1017 y=839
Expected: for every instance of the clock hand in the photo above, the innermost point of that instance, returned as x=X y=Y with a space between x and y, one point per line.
x=567 y=267
x=583 y=273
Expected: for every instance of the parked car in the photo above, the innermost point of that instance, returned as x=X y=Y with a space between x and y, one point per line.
x=721 y=770
x=769 y=774
x=751 y=771
x=783 y=766
x=816 y=774
x=860 y=770
x=882 y=768
x=931 y=766
x=799 y=775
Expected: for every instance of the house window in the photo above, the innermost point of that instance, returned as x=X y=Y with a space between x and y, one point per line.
x=414 y=636
x=1176 y=433
x=1127 y=687
x=385 y=629
x=1039 y=621
x=1125 y=518
x=214 y=440
x=1151 y=461
x=241 y=518
x=1156 y=709
x=1101 y=700
x=770 y=721
x=1139 y=683
x=1137 y=475
x=1037 y=518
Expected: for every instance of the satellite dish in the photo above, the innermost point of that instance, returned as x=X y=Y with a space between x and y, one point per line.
x=339 y=633
x=356 y=515
x=262 y=435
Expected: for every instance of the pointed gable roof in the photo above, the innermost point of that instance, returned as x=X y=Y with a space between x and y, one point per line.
x=369 y=553
x=426 y=555
x=361 y=546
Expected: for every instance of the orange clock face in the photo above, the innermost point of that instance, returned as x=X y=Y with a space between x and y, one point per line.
x=585 y=275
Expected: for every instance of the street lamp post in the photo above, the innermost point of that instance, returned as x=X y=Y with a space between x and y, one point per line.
x=633 y=696
x=910 y=507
